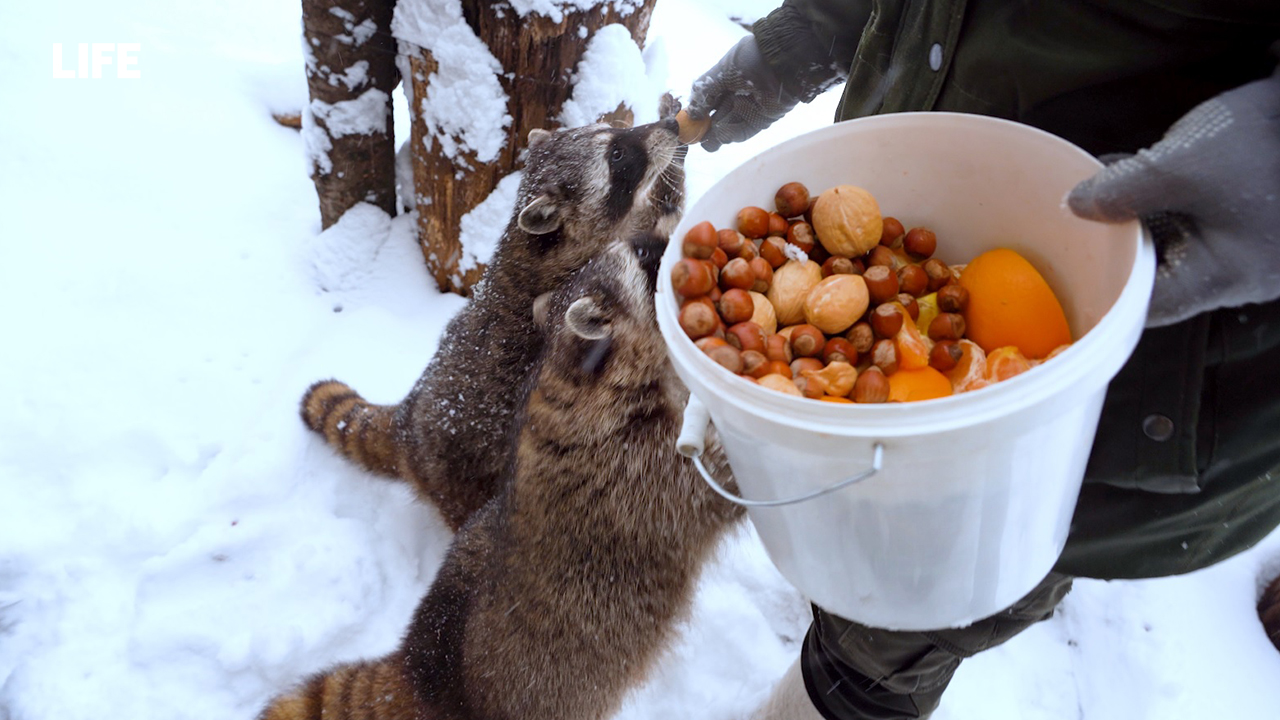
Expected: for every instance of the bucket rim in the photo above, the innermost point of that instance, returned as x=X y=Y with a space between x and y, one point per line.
x=1112 y=338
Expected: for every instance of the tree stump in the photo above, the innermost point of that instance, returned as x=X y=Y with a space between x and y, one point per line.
x=537 y=55
x=347 y=126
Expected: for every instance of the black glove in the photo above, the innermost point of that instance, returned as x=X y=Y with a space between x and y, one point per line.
x=1209 y=192
x=741 y=94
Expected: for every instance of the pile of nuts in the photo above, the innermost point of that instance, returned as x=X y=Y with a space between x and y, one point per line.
x=825 y=298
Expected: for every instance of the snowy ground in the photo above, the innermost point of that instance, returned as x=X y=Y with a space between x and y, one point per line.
x=174 y=544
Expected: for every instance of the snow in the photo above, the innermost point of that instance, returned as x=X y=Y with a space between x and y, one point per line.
x=175 y=544
x=610 y=73
x=466 y=108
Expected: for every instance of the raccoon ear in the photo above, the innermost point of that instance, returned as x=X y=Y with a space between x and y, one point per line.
x=586 y=319
x=537 y=136
x=540 y=216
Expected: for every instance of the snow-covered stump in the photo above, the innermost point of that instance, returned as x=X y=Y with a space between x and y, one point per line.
x=479 y=76
x=347 y=127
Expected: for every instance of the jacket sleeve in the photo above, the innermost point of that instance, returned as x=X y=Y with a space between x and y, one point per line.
x=810 y=44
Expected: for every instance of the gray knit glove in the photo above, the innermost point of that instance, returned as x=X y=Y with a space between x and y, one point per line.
x=1209 y=192
x=741 y=94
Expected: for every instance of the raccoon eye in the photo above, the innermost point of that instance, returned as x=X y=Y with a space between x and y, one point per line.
x=617 y=155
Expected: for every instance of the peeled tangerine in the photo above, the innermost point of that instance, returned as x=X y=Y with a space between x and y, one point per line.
x=921 y=384
x=1010 y=304
x=847 y=221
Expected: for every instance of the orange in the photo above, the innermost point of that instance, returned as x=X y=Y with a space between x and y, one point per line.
x=922 y=384
x=1011 y=304
x=834 y=399
x=1003 y=363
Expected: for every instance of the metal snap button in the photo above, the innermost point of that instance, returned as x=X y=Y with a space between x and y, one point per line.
x=935 y=56
x=1157 y=427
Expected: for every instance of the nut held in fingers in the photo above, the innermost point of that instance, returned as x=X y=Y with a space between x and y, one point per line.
x=691 y=131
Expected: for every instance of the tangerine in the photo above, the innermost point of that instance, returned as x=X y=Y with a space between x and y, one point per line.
x=970 y=372
x=1006 y=362
x=1011 y=304
x=921 y=384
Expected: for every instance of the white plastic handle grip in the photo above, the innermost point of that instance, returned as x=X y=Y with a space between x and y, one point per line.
x=691 y=444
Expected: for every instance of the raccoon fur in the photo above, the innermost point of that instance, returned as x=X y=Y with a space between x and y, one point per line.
x=451 y=435
x=561 y=593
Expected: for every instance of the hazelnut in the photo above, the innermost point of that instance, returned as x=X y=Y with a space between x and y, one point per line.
x=886 y=320
x=891 y=235
x=920 y=242
x=737 y=273
x=947 y=326
x=837 y=378
x=749 y=250
x=836 y=265
x=726 y=355
x=884 y=355
x=871 y=386
x=801 y=235
x=745 y=336
x=839 y=349
x=807 y=341
x=730 y=241
x=690 y=130
x=775 y=381
x=719 y=257
x=881 y=255
x=913 y=280
x=778 y=347
x=762 y=313
x=791 y=285
x=736 y=306
x=754 y=364
x=953 y=298
x=938 y=272
x=809 y=385
x=753 y=222
x=792 y=199
x=912 y=306
x=698 y=318
x=881 y=282
x=861 y=336
x=778 y=225
x=774 y=250
x=691 y=277
x=800 y=364
x=700 y=241
x=764 y=275
x=836 y=303
x=944 y=355
x=777 y=367
x=847 y=220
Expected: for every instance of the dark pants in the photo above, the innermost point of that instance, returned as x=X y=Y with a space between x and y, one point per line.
x=853 y=671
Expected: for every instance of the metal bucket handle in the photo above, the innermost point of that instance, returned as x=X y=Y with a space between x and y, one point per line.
x=690 y=444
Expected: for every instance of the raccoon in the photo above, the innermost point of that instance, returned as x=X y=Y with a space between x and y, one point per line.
x=559 y=595
x=451 y=435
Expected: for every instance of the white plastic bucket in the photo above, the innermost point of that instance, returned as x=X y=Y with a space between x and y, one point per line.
x=971 y=506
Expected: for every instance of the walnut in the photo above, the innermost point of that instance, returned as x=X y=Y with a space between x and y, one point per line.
x=791 y=285
x=847 y=221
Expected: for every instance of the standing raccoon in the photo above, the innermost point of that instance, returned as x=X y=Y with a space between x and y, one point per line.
x=451 y=435
x=559 y=595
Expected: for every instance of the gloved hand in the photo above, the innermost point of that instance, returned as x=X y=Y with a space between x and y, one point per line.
x=741 y=94
x=1209 y=192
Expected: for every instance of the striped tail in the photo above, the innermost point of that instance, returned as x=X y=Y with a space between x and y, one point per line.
x=362 y=432
x=372 y=690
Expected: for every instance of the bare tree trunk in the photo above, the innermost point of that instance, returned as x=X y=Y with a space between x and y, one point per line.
x=537 y=55
x=348 y=125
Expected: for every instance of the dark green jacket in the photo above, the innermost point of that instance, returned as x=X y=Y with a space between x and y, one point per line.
x=1185 y=469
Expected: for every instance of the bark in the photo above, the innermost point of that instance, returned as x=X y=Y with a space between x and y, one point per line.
x=352 y=53
x=530 y=49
